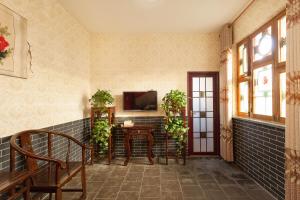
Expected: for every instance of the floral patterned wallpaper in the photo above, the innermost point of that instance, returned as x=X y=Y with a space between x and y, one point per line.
x=158 y=61
x=57 y=89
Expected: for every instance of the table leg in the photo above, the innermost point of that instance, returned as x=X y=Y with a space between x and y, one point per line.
x=128 y=150
x=150 y=145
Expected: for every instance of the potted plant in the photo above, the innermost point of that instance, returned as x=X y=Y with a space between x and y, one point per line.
x=101 y=127
x=173 y=103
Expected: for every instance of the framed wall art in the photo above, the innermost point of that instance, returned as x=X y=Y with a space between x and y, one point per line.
x=13 y=43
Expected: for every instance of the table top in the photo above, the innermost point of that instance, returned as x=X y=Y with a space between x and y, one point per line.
x=139 y=127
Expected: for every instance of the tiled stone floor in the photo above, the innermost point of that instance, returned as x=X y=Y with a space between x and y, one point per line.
x=201 y=178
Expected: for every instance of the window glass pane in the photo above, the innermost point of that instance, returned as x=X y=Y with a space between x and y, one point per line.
x=243 y=56
x=283 y=95
x=244 y=98
x=262 y=44
x=196 y=84
x=262 y=94
x=282 y=39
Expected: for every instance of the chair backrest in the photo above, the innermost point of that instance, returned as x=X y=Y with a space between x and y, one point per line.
x=25 y=141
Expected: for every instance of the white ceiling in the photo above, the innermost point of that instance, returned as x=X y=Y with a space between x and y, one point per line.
x=154 y=15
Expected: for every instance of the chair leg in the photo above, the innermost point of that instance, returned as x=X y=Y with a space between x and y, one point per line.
x=50 y=196
x=58 y=194
x=26 y=194
x=83 y=182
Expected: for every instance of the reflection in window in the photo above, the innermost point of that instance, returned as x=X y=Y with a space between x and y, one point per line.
x=283 y=95
x=262 y=96
x=243 y=55
x=282 y=39
x=244 y=91
x=262 y=44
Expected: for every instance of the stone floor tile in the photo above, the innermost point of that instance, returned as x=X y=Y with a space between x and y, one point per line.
x=128 y=195
x=234 y=191
x=137 y=168
x=94 y=186
x=131 y=186
x=171 y=196
x=205 y=178
x=152 y=172
x=215 y=195
x=209 y=186
x=134 y=177
x=170 y=176
x=224 y=180
x=187 y=180
x=108 y=192
x=151 y=180
x=170 y=186
x=192 y=191
x=259 y=194
x=110 y=182
x=150 y=191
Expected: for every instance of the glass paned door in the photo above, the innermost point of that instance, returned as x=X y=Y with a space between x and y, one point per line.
x=204 y=114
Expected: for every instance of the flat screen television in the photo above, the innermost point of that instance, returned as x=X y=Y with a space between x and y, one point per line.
x=140 y=101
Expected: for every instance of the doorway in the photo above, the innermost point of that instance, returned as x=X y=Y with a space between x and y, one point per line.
x=203 y=113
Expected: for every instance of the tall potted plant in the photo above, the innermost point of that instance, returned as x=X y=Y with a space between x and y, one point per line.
x=173 y=103
x=101 y=128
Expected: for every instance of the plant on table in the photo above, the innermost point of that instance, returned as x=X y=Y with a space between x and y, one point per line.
x=102 y=129
x=173 y=103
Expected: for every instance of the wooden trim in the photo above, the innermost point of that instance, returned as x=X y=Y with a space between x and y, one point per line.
x=243 y=11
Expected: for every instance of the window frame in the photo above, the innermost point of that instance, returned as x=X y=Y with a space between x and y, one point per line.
x=277 y=68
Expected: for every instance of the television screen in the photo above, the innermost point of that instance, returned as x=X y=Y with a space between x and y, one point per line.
x=140 y=100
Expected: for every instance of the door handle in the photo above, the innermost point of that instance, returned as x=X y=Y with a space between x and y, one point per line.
x=191 y=113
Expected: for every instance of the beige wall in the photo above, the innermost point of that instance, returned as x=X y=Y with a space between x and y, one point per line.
x=158 y=61
x=58 y=89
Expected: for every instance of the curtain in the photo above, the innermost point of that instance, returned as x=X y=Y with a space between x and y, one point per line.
x=292 y=134
x=226 y=94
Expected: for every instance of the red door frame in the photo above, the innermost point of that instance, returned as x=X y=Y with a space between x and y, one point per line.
x=215 y=76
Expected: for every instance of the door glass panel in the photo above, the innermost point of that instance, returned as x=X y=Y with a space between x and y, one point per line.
x=210 y=145
x=209 y=104
x=209 y=84
x=196 y=145
x=196 y=84
x=203 y=144
x=196 y=104
x=203 y=104
x=202 y=84
x=209 y=94
x=196 y=94
x=209 y=114
x=210 y=124
x=196 y=125
x=210 y=134
x=196 y=135
x=196 y=114
x=244 y=98
x=203 y=124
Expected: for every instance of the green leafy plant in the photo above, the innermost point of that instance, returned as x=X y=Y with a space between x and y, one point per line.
x=101 y=133
x=173 y=102
x=101 y=99
x=102 y=128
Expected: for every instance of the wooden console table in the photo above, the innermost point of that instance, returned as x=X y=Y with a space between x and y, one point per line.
x=138 y=132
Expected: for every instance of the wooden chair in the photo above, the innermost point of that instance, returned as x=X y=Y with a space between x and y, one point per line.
x=53 y=174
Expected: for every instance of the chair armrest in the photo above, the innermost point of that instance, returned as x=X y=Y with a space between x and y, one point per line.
x=61 y=164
